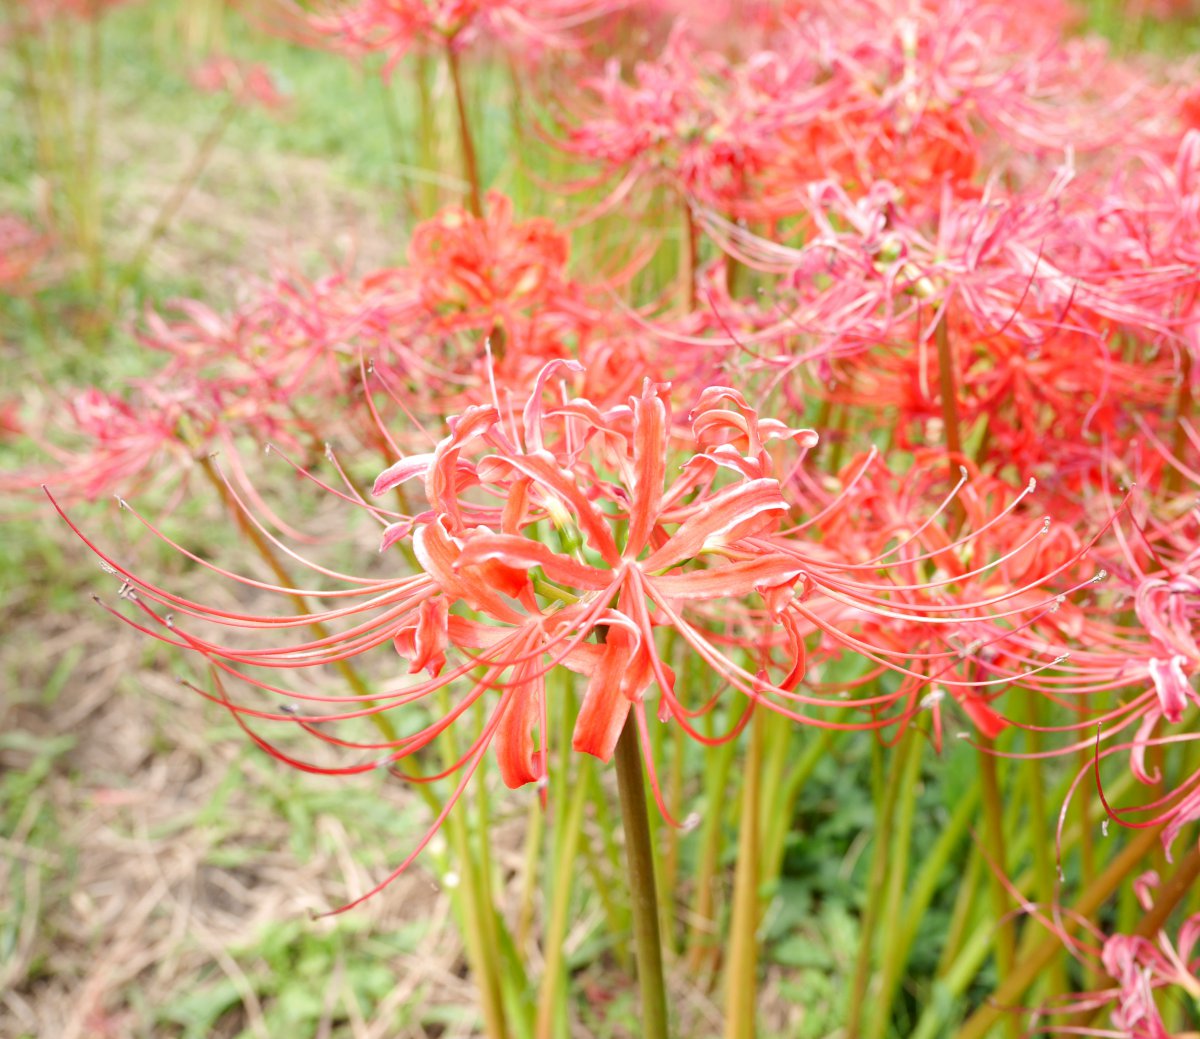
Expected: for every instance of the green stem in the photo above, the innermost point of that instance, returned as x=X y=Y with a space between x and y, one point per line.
x=925 y=884
x=1004 y=936
x=875 y=891
x=483 y=956
x=567 y=853
x=640 y=864
x=960 y=915
x=535 y=827
x=741 y=973
x=778 y=811
x=893 y=957
x=948 y=385
x=702 y=937
x=470 y=164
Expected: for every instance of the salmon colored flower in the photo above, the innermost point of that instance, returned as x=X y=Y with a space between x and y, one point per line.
x=562 y=534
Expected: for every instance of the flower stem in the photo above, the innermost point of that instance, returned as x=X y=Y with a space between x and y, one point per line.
x=470 y=165
x=741 y=974
x=640 y=863
x=993 y=819
x=875 y=892
x=948 y=384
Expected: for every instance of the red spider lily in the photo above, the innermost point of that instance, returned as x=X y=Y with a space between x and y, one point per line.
x=913 y=95
x=247 y=83
x=1009 y=551
x=117 y=443
x=692 y=119
x=1142 y=970
x=573 y=540
x=1017 y=300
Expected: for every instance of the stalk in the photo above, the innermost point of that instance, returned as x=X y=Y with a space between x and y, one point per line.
x=925 y=882
x=566 y=853
x=482 y=955
x=948 y=384
x=470 y=164
x=741 y=973
x=879 y=872
x=702 y=936
x=1004 y=936
x=1043 y=852
x=1168 y=896
x=535 y=827
x=689 y=258
x=778 y=811
x=670 y=871
x=960 y=916
x=639 y=855
x=894 y=952
x=1173 y=480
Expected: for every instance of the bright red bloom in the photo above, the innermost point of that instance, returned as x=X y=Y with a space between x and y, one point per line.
x=568 y=535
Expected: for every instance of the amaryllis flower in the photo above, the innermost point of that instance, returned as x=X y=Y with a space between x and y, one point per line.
x=1142 y=967
x=102 y=443
x=562 y=534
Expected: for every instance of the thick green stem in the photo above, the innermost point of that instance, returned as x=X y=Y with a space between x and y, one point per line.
x=702 y=935
x=741 y=973
x=894 y=954
x=875 y=891
x=567 y=855
x=639 y=856
x=1004 y=937
x=467 y=142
